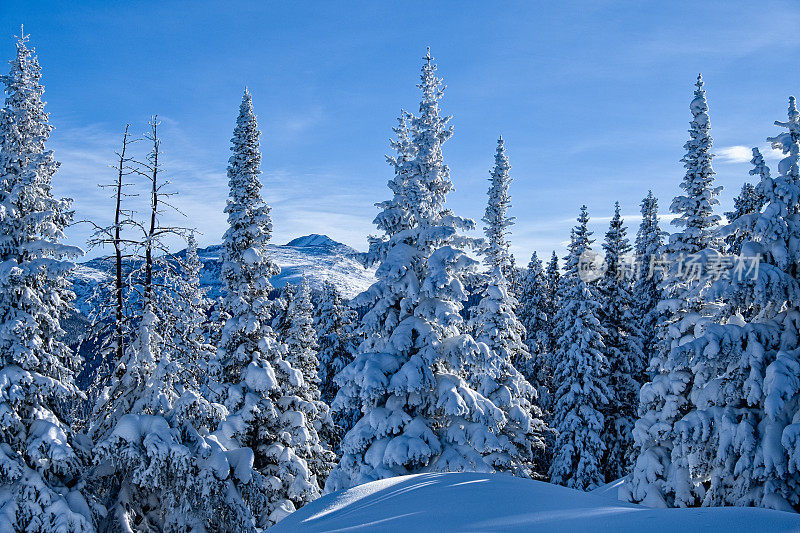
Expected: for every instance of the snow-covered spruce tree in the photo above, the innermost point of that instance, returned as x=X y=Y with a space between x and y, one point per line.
x=334 y=322
x=257 y=384
x=661 y=473
x=581 y=371
x=552 y=275
x=623 y=349
x=301 y=341
x=281 y=320
x=532 y=315
x=695 y=208
x=419 y=413
x=192 y=349
x=40 y=462
x=496 y=218
x=160 y=470
x=647 y=283
x=749 y=201
x=494 y=376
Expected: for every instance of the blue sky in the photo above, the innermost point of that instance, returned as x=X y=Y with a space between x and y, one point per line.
x=591 y=97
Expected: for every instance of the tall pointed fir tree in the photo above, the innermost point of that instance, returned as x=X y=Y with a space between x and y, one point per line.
x=493 y=375
x=40 y=462
x=419 y=414
x=749 y=201
x=301 y=341
x=646 y=286
x=552 y=275
x=334 y=322
x=533 y=316
x=660 y=471
x=496 y=218
x=623 y=349
x=191 y=346
x=258 y=386
x=581 y=372
x=740 y=435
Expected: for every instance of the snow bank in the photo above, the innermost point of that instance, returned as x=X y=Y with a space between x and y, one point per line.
x=469 y=502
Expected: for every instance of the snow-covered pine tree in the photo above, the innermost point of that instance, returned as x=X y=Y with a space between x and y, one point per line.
x=552 y=276
x=257 y=383
x=301 y=341
x=581 y=371
x=661 y=473
x=532 y=315
x=419 y=414
x=695 y=208
x=749 y=201
x=623 y=349
x=41 y=463
x=515 y=275
x=281 y=320
x=494 y=376
x=190 y=345
x=496 y=216
x=647 y=282
x=301 y=338
x=334 y=322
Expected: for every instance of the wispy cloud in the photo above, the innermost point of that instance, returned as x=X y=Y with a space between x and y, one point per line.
x=743 y=154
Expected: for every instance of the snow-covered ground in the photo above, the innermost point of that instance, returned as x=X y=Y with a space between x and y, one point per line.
x=468 y=502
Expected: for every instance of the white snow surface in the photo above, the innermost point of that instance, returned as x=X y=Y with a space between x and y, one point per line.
x=471 y=502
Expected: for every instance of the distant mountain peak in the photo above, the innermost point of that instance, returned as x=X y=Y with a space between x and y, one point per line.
x=313 y=240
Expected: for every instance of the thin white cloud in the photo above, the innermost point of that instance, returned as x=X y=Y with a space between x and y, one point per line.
x=734 y=154
x=743 y=154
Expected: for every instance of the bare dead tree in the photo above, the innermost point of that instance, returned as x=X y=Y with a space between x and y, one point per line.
x=154 y=233
x=113 y=235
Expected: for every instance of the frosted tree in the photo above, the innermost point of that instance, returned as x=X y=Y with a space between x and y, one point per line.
x=258 y=386
x=695 y=208
x=418 y=412
x=749 y=201
x=647 y=282
x=41 y=461
x=334 y=322
x=192 y=350
x=281 y=319
x=496 y=217
x=494 y=376
x=533 y=316
x=301 y=338
x=301 y=342
x=553 y=284
x=623 y=349
x=160 y=469
x=581 y=371
x=660 y=474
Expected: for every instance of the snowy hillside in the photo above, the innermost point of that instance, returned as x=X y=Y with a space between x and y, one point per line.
x=479 y=502
x=317 y=256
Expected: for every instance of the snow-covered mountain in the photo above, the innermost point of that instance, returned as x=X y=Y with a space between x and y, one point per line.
x=474 y=502
x=318 y=257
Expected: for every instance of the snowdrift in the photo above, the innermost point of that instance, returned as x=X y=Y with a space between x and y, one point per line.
x=468 y=502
